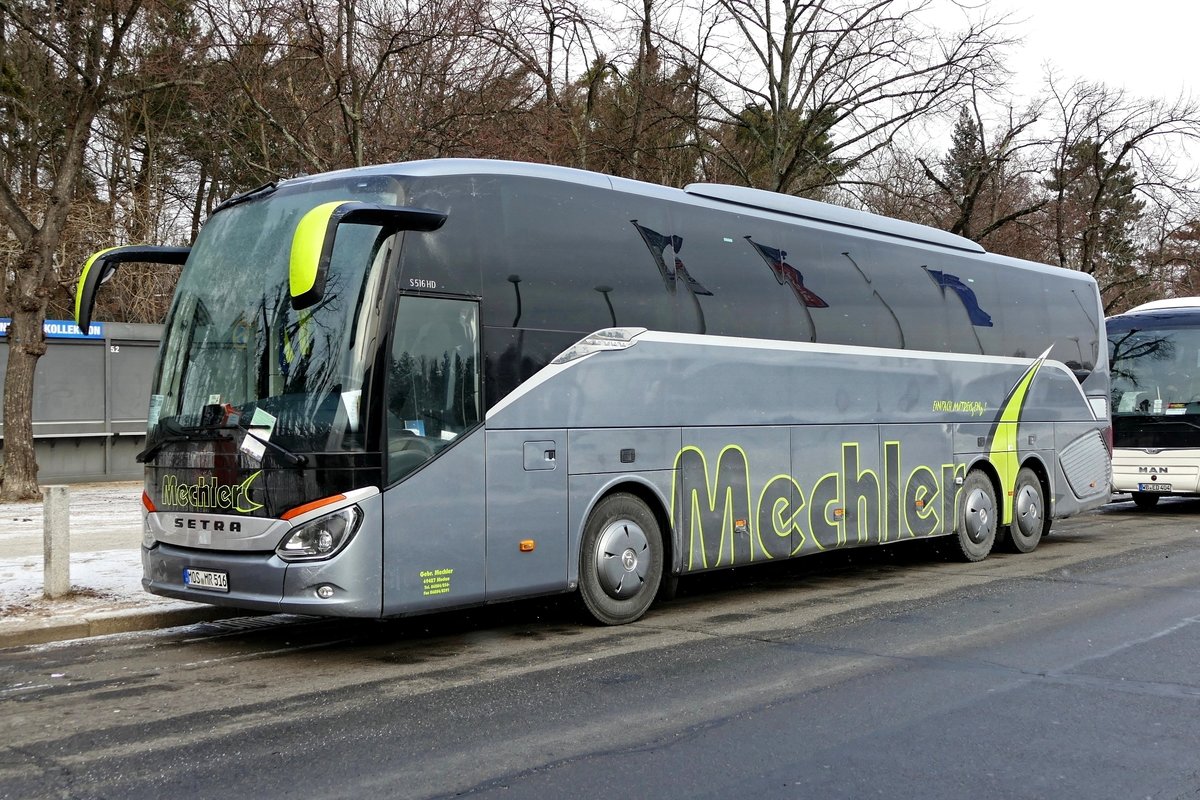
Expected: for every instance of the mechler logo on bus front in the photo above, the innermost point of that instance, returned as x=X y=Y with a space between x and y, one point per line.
x=207 y=494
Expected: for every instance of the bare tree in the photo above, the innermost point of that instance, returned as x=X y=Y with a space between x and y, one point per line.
x=988 y=186
x=553 y=43
x=1114 y=158
x=64 y=62
x=985 y=182
x=281 y=58
x=1172 y=259
x=800 y=92
x=323 y=84
x=638 y=108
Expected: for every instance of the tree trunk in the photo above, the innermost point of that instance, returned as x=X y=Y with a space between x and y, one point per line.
x=26 y=344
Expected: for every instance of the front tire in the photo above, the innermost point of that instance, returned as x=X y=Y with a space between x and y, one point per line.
x=977 y=517
x=1029 y=513
x=1145 y=500
x=621 y=560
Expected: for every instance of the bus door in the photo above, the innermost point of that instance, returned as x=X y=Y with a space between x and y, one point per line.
x=433 y=531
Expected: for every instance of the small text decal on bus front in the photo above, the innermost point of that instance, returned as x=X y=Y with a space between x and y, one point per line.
x=435 y=581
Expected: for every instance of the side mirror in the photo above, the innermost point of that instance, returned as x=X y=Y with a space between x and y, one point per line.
x=312 y=244
x=101 y=266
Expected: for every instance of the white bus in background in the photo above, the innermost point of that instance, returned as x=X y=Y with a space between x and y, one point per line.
x=1154 y=351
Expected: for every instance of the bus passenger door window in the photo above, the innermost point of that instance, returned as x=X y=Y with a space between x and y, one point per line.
x=432 y=393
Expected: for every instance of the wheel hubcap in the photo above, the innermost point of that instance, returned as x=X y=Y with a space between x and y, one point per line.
x=1029 y=510
x=629 y=560
x=979 y=512
x=622 y=558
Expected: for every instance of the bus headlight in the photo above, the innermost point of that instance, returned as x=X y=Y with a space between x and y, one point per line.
x=322 y=537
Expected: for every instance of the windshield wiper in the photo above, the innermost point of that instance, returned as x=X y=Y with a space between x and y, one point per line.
x=292 y=459
x=285 y=455
x=177 y=433
x=261 y=191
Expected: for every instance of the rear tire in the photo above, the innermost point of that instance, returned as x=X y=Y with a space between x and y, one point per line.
x=977 y=517
x=1030 y=520
x=620 y=560
x=1145 y=500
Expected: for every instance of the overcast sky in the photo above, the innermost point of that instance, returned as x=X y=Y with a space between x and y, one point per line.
x=1147 y=46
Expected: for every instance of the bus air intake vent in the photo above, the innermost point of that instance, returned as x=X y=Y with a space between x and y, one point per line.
x=1085 y=463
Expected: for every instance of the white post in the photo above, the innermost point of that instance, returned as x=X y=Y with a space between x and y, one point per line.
x=56 y=567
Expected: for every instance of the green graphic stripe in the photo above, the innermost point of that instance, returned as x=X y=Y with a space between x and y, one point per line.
x=1003 y=453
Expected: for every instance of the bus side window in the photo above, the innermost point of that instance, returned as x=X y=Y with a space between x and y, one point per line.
x=450 y=259
x=746 y=289
x=902 y=286
x=854 y=282
x=433 y=391
x=966 y=292
x=574 y=263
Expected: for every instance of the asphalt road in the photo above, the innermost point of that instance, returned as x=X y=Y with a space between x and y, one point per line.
x=1070 y=672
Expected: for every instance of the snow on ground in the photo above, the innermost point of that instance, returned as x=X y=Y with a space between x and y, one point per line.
x=100 y=581
x=106 y=569
x=96 y=509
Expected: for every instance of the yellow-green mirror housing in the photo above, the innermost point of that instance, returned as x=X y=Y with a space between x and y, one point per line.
x=312 y=243
x=101 y=266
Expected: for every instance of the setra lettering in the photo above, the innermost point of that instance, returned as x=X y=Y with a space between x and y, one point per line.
x=220 y=525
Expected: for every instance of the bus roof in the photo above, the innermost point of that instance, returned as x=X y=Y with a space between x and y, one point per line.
x=1173 y=312
x=712 y=194
x=1170 y=302
x=828 y=213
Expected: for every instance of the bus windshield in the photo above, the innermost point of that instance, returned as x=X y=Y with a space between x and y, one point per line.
x=235 y=352
x=1156 y=387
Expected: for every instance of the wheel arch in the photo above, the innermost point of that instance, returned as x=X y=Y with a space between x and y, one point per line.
x=985 y=466
x=649 y=494
x=621 y=566
x=1003 y=497
x=1037 y=465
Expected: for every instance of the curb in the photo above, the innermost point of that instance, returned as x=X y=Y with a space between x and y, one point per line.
x=104 y=623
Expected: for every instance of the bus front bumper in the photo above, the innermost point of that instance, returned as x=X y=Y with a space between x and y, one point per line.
x=1169 y=472
x=263 y=582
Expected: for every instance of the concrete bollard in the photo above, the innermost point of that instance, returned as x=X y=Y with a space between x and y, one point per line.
x=56 y=518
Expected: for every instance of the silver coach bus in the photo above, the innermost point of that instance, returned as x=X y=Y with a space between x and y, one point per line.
x=405 y=388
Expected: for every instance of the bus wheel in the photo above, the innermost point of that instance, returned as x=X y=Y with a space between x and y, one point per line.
x=1145 y=500
x=976 y=517
x=621 y=560
x=1029 y=513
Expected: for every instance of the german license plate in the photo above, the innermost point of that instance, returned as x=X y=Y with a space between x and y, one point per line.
x=1154 y=487
x=207 y=579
